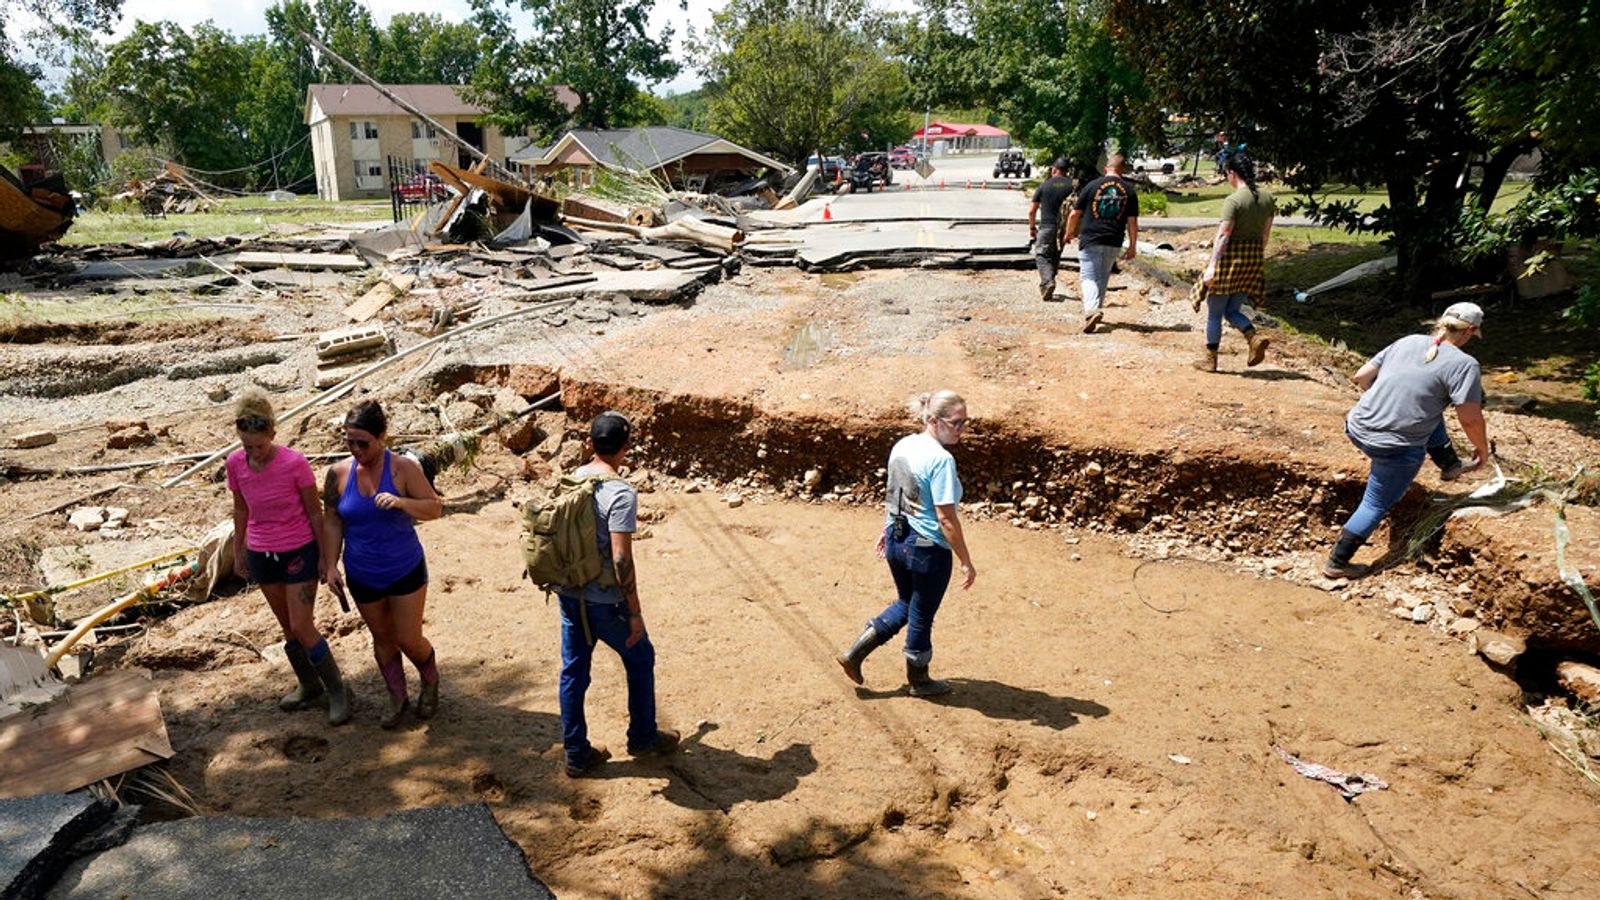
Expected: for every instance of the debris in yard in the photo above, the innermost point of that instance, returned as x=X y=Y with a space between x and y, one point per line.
x=337 y=262
x=32 y=439
x=381 y=295
x=1348 y=785
x=170 y=192
x=40 y=835
x=101 y=727
x=32 y=214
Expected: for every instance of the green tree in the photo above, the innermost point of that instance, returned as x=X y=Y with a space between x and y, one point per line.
x=790 y=77
x=22 y=101
x=1430 y=99
x=180 y=92
x=690 y=109
x=600 y=50
x=1052 y=70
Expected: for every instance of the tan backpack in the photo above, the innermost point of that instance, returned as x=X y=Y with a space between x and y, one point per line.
x=559 y=546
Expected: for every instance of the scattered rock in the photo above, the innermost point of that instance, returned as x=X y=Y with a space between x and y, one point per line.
x=1093 y=469
x=532 y=381
x=87 y=518
x=218 y=393
x=32 y=439
x=1464 y=626
x=116 y=517
x=812 y=480
x=129 y=434
x=1500 y=649
x=1582 y=680
x=1421 y=613
x=734 y=501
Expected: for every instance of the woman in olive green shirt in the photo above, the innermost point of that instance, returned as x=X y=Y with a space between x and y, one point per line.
x=1233 y=276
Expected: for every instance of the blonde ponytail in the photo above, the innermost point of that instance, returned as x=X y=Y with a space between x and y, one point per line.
x=937 y=405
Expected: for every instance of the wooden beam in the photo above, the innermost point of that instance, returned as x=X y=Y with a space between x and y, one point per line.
x=102 y=727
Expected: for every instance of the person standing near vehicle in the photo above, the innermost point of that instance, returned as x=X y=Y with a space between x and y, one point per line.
x=1233 y=277
x=1400 y=418
x=372 y=500
x=608 y=608
x=920 y=535
x=277 y=525
x=1105 y=208
x=1044 y=221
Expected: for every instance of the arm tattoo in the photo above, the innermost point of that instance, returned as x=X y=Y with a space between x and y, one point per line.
x=330 y=491
x=627 y=581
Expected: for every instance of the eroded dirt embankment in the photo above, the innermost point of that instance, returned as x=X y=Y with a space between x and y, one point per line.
x=1214 y=505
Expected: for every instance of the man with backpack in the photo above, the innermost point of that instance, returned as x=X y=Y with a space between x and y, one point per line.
x=605 y=607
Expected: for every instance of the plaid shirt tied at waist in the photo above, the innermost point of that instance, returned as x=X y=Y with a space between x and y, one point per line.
x=1239 y=271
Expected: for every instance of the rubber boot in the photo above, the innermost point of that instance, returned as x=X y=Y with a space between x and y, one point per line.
x=1339 y=564
x=1258 y=347
x=339 y=705
x=394 y=678
x=920 y=684
x=309 y=692
x=1208 y=361
x=851 y=659
x=428 y=695
x=1448 y=461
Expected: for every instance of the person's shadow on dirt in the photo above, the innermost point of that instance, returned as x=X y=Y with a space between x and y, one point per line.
x=1002 y=701
x=700 y=776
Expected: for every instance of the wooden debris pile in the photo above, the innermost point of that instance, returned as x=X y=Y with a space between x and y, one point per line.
x=170 y=191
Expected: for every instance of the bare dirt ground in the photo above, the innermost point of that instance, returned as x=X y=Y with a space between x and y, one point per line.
x=1144 y=627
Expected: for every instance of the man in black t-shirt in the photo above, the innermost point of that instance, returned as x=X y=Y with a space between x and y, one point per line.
x=1044 y=220
x=1105 y=208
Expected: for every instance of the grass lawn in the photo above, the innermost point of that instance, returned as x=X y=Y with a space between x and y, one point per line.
x=236 y=215
x=1206 y=202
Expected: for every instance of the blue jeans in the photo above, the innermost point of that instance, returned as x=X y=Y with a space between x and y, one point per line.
x=1219 y=308
x=609 y=623
x=921 y=575
x=1094 y=273
x=1391 y=475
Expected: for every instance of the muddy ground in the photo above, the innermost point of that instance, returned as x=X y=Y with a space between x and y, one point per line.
x=1147 y=623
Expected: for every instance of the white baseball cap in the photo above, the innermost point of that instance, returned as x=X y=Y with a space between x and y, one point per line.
x=1470 y=313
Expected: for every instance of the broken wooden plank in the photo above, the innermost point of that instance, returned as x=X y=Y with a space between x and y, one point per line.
x=107 y=725
x=338 y=262
x=382 y=294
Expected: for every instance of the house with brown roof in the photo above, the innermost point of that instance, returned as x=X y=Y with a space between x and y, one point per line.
x=355 y=131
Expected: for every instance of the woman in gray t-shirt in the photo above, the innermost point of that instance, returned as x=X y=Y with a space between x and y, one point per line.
x=1400 y=419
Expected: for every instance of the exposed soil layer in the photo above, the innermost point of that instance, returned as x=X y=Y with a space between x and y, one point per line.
x=1140 y=637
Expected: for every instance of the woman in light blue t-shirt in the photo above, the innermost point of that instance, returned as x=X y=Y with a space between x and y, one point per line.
x=921 y=539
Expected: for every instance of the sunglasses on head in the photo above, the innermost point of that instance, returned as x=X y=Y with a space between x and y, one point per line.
x=252 y=423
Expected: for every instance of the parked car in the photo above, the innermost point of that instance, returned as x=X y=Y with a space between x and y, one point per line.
x=871 y=170
x=832 y=167
x=1166 y=165
x=423 y=187
x=904 y=158
x=1012 y=162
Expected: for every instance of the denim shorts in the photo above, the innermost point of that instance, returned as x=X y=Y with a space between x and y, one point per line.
x=288 y=567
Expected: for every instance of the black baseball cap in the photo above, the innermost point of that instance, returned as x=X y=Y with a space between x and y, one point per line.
x=610 y=432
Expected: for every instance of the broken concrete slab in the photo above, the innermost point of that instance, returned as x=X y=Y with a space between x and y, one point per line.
x=37 y=838
x=142 y=268
x=333 y=262
x=32 y=439
x=445 y=852
x=649 y=285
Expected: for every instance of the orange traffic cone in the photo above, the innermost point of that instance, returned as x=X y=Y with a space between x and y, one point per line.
x=827 y=212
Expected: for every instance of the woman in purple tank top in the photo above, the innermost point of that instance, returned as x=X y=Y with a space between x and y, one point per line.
x=372 y=499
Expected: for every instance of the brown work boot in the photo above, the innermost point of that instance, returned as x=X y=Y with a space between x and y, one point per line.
x=1091 y=322
x=594 y=760
x=1047 y=292
x=1258 y=347
x=666 y=741
x=1207 y=362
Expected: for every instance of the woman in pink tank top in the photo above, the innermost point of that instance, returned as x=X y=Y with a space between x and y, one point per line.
x=277 y=522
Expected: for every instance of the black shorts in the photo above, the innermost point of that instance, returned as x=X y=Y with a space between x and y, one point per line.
x=288 y=567
x=409 y=583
